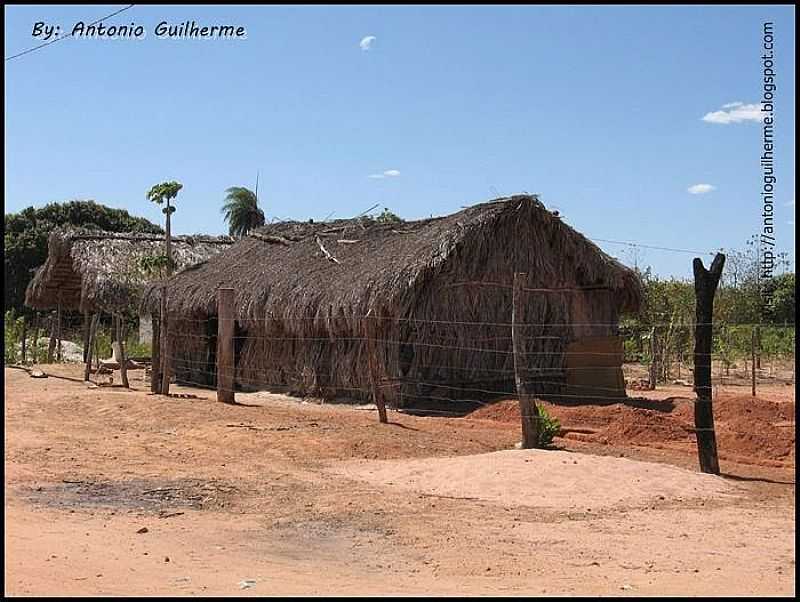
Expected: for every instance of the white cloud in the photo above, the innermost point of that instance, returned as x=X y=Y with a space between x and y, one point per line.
x=735 y=112
x=389 y=173
x=366 y=42
x=700 y=188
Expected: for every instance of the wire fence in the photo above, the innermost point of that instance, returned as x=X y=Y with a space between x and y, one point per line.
x=651 y=355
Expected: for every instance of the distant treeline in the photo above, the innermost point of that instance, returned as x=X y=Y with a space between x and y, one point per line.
x=668 y=316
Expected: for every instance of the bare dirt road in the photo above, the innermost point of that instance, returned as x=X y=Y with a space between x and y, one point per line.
x=109 y=491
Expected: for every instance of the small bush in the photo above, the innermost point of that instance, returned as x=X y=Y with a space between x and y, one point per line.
x=549 y=427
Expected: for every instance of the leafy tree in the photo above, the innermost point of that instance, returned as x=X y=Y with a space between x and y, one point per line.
x=781 y=290
x=160 y=194
x=26 y=233
x=242 y=211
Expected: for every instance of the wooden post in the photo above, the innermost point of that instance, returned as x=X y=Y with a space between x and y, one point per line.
x=24 y=342
x=51 y=347
x=226 y=367
x=35 y=338
x=758 y=346
x=753 y=361
x=91 y=340
x=371 y=331
x=653 y=365
x=165 y=348
x=59 y=329
x=87 y=327
x=529 y=412
x=122 y=359
x=155 y=356
x=705 y=287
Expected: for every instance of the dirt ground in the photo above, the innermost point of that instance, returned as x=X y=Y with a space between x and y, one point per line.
x=111 y=491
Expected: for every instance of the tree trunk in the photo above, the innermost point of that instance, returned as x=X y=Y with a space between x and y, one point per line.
x=705 y=286
x=169 y=239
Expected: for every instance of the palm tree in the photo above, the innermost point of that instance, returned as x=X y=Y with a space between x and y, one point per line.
x=241 y=211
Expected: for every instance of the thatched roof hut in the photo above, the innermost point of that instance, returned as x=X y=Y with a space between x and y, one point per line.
x=90 y=270
x=439 y=286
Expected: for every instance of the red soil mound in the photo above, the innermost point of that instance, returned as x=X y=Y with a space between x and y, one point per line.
x=751 y=429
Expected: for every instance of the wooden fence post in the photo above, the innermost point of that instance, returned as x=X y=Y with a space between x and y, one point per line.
x=35 y=349
x=529 y=412
x=123 y=357
x=24 y=348
x=653 y=365
x=371 y=331
x=155 y=356
x=91 y=340
x=753 y=360
x=51 y=346
x=60 y=329
x=226 y=367
x=165 y=347
x=87 y=327
x=705 y=287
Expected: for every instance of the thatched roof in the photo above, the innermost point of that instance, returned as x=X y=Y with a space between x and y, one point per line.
x=97 y=270
x=333 y=271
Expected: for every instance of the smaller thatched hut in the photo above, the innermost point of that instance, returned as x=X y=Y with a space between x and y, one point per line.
x=92 y=271
x=438 y=293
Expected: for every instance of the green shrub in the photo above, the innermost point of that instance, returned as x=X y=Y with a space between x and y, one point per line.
x=549 y=427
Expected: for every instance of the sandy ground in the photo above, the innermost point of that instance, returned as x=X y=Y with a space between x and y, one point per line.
x=280 y=497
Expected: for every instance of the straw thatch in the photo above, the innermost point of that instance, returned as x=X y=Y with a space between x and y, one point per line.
x=89 y=270
x=439 y=289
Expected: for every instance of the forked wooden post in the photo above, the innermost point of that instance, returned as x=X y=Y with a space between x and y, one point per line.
x=705 y=287
x=371 y=337
x=529 y=412
x=225 y=350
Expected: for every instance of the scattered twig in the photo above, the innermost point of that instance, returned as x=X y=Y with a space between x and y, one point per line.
x=328 y=256
x=448 y=497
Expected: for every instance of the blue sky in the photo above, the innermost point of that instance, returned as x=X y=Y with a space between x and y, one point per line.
x=599 y=110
